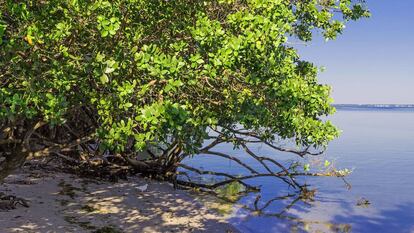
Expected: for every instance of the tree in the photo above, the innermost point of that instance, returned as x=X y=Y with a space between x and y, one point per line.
x=163 y=77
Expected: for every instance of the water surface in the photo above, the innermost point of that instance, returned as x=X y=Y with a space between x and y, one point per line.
x=378 y=145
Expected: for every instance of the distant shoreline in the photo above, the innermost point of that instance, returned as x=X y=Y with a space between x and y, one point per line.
x=404 y=107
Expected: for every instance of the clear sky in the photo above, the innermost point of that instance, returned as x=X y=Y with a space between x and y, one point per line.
x=373 y=61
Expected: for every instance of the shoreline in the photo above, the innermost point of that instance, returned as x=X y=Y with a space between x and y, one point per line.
x=62 y=202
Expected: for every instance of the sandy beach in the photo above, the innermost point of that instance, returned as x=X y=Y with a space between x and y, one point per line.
x=61 y=202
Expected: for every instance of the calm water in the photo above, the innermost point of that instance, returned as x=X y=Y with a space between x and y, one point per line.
x=378 y=146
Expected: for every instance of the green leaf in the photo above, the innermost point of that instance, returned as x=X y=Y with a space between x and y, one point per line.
x=109 y=70
x=306 y=167
x=104 y=79
x=104 y=33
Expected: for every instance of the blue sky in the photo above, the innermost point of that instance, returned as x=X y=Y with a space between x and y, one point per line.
x=373 y=61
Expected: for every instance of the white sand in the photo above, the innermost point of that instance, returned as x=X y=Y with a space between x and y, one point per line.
x=61 y=202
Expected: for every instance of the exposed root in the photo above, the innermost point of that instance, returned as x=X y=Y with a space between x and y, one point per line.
x=9 y=202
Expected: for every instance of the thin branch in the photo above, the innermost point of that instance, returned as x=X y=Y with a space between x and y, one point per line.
x=218 y=174
x=213 y=144
x=282 y=149
x=293 y=183
x=220 y=154
x=26 y=139
x=63 y=147
x=10 y=141
x=66 y=157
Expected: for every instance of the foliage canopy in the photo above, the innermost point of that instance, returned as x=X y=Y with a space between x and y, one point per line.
x=156 y=71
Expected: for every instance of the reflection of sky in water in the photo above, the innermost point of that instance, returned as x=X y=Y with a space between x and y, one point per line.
x=378 y=145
